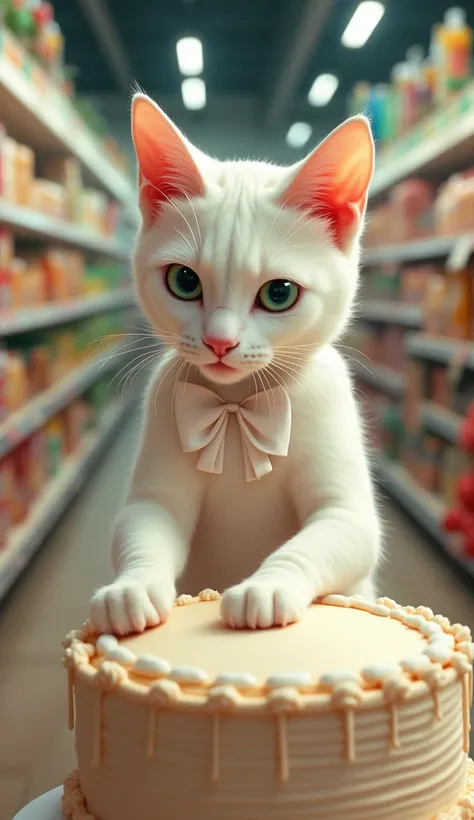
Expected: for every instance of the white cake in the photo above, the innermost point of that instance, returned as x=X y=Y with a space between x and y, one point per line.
x=359 y=711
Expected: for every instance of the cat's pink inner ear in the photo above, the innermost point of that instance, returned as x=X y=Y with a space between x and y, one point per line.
x=166 y=168
x=333 y=182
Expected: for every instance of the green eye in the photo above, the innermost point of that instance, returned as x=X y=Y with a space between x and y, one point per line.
x=277 y=295
x=183 y=283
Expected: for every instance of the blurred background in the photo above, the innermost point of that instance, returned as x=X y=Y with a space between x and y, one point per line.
x=255 y=78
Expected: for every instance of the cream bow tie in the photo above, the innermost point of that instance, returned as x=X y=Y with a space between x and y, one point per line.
x=264 y=421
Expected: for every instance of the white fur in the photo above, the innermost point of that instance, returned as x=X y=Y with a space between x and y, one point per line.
x=310 y=527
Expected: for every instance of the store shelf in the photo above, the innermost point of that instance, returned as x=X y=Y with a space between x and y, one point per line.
x=426 y=508
x=440 y=421
x=444 y=142
x=441 y=350
x=420 y=250
x=59 y=493
x=46 y=121
x=382 y=378
x=34 y=224
x=57 y=313
x=36 y=413
x=398 y=313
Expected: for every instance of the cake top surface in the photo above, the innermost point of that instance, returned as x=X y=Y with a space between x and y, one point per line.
x=344 y=647
x=325 y=640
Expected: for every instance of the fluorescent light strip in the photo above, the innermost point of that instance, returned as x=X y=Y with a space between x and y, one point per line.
x=323 y=89
x=193 y=91
x=298 y=134
x=189 y=54
x=362 y=23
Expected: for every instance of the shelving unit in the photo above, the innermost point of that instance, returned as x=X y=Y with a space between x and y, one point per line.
x=440 y=421
x=57 y=313
x=441 y=350
x=380 y=377
x=425 y=508
x=420 y=250
x=33 y=415
x=26 y=222
x=442 y=143
x=48 y=122
x=378 y=310
x=58 y=494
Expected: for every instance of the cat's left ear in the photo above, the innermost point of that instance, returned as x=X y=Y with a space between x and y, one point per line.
x=333 y=182
x=165 y=166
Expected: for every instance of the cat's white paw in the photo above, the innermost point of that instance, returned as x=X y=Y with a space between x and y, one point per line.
x=260 y=604
x=129 y=605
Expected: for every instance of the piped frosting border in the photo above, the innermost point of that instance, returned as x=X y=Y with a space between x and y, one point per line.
x=447 y=654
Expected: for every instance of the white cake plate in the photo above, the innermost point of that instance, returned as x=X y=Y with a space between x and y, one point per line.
x=46 y=807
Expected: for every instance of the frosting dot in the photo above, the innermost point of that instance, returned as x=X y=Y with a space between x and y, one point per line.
x=182 y=600
x=331 y=679
x=378 y=673
x=430 y=628
x=299 y=680
x=336 y=600
x=241 y=680
x=416 y=663
x=122 y=655
x=442 y=637
x=399 y=614
x=439 y=652
x=209 y=595
x=105 y=644
x=151 y=666
x=189 y=674
x=224 y=697
x=414 y=621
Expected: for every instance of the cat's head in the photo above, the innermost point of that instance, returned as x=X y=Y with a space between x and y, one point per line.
x=239 y=264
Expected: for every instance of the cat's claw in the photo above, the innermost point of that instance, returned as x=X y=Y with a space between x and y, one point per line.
x=129 y=605
x=260 y=604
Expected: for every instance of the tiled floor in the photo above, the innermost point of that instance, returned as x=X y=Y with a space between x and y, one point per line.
x=36 y=750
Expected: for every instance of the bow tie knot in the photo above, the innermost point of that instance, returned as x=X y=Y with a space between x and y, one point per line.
x=264 y=422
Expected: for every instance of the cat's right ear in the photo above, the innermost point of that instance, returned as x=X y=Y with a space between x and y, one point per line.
x=165 y=166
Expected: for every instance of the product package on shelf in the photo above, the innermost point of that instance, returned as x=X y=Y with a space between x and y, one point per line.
x=27 y=469
x=48 y=273
x=31 y=42
x=31 y=363
x=419 y=83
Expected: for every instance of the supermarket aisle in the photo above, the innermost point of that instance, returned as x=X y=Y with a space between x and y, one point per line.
x=36 y=750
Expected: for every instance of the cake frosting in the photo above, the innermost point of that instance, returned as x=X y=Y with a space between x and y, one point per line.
x=360 y=711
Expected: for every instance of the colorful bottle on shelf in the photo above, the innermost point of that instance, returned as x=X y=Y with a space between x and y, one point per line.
x=453 y=50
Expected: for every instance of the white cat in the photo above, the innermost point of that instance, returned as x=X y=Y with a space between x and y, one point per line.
x=248 y=272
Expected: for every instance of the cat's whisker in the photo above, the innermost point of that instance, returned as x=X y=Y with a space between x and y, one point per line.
x=284 y=368
x=266 y=381
x=179 y=211
x=267 y=238
x=185 y=238
x=130 y=364
x=176 y=377
x=173 y=364
x=185 y=193
x=143 y=361
x=275 y=375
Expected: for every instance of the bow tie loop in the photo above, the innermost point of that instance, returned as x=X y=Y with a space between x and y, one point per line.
x=264 y=421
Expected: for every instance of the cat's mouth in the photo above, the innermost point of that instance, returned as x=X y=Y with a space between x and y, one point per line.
x=222 y=373
x=220 y=368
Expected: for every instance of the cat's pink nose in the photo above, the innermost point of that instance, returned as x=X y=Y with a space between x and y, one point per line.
x=219 y=346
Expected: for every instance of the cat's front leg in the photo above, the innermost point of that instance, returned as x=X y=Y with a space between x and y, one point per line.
x=338 y=546
x=153 y=532
x=148 y=552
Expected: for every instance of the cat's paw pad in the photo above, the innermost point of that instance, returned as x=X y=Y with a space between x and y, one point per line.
x=261 y=604
x=130 y=605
